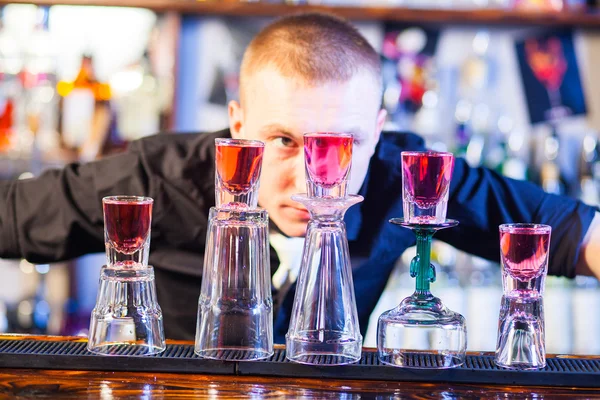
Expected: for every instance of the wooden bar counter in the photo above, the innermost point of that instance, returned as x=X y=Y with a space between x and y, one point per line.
x=25 y=383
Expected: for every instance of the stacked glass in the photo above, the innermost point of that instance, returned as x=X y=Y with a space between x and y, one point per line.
x=324 y=326
x=235 y=307
x=126 y=311
x=421 y=324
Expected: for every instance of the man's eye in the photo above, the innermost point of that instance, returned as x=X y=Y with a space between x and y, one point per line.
x=283 y=141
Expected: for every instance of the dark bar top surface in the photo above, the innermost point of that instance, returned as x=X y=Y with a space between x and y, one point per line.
x=81 y=384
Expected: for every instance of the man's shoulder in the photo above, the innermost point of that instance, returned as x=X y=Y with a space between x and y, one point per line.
x=391 y=143
x=192 y=141
x=402 y=140
x=178 y=154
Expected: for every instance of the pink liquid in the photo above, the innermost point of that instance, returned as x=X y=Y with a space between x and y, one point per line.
x=427 y=177
x=238 y=166
x=328 y=158
x=127 y=224
x=524 y=252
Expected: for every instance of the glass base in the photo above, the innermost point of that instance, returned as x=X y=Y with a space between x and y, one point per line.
x=421 y=326
x=234 y=354
x=126 y=314
x=323 y=348
x=521 y=343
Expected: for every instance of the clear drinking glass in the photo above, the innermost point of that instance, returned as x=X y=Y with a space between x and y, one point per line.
x=127 y=311
x=324 y=326
x=235 y=307
x=425 y=185
x=127 y=221
x=328 y=157
x=400 y=331
x=238 y=165
x=524 y=256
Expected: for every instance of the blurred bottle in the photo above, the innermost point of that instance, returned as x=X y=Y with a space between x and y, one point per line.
x=551 y=177
x=85 y=111
x=558 y=303
x=474 y=113
x=137 y=102
x=10 y=88
x=40 y=86
x=589 y=170
x=586 y=324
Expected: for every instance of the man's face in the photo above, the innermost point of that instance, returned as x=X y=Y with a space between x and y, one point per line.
x=279 y=110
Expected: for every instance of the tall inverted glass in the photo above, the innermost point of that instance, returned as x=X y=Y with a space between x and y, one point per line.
x=127 y=311
x=235 y=307
x=524 y=256
x=324 y=326
x=422 y=324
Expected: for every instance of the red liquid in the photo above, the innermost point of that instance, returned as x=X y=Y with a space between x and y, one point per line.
x=238 y=166
x=328 y=158
x=524 y=252
x=427 y=176
x=127 y=224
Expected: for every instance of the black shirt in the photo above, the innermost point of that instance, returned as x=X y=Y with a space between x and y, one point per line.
x=58 y=216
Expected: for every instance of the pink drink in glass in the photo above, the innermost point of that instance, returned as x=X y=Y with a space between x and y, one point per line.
x=127 y=222
x=524 y=250
x=328 y=157
x=239 y=165
x=425 y=185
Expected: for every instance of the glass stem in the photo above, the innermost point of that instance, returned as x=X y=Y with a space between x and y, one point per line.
x=424 y=273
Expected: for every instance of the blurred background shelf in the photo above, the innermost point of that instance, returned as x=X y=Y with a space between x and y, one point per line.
x=575 y=18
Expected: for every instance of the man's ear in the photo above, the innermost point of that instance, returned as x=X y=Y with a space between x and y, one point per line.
x=236 y=119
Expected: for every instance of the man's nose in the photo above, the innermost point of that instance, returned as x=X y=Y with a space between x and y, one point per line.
x=299 y=173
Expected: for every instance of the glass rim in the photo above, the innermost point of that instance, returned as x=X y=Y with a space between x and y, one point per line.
x=328 y=133
x=127 y=199
x=525 y=227
x=427 y=152
x=239 y=142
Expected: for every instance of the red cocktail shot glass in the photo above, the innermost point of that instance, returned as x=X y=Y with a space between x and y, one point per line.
x=238 y=165
x=127 y=221
x=328 y=157
x=524 y=252
x=426 y=179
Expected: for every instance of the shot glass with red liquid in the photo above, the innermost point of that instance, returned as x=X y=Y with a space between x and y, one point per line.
x=238 y=165
x=127 y=316
x=328 y=157
x=524 y=252
x=426 y=179
x=127 y=221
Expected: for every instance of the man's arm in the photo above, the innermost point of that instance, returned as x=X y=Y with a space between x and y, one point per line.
x=58 y=215
x=481 y=200
x=589 y=258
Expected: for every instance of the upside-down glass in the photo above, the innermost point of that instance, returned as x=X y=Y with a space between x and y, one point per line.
x=324 y=326
x=235 y=307
x=426 y=185
x=126 y=311
x=426 y=178
x=524 y=256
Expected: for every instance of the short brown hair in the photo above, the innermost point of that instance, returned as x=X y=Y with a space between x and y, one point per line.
x=313 y=47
